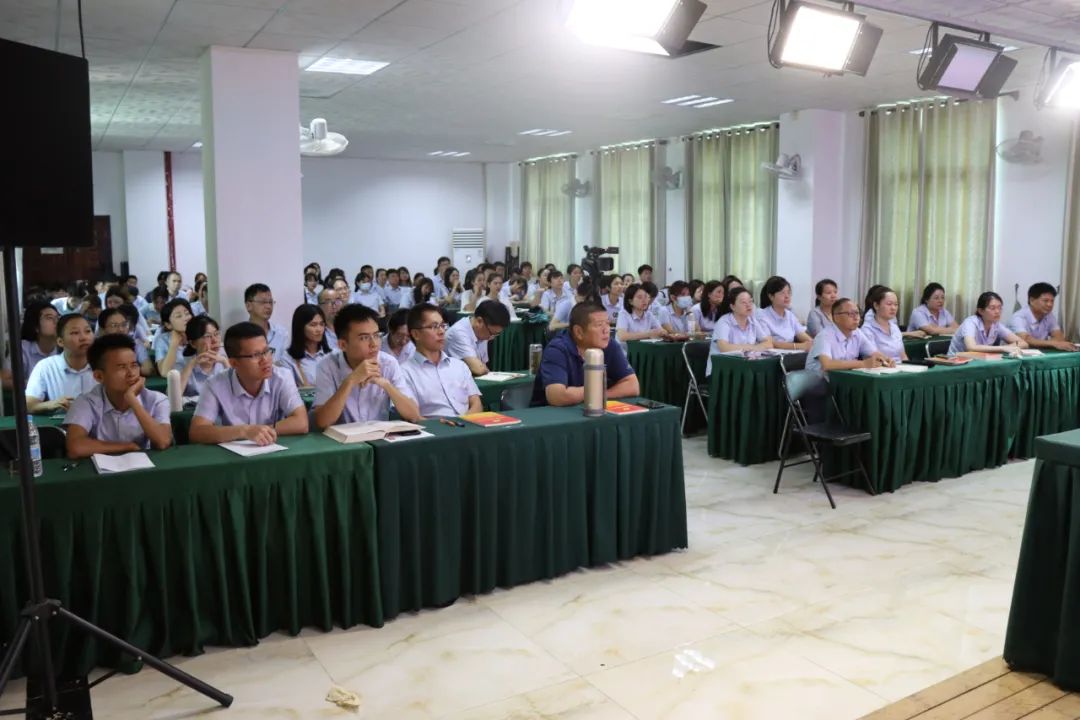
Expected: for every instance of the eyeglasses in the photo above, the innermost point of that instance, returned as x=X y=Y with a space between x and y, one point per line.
x=212 y=336
x=371 y=337
x=117 y=327
x=494 y=333
x=268 y=352
x=265 y=302
x=435 y=327
x=849 y=313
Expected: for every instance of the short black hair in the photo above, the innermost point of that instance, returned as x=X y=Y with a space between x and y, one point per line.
x=417 y=313
x=526 y=264
x=571 y=267
x=130 y=313
x=159 y=292
x=107 y=314
x=131 y=277
x=117 y=291
x=311 y=276
x=104 y=344
x=579 y=315
x=253 y=290
x=676 y=288
x=167 y=311
x=929 y=290
x=353 y=313
x=554 y=274
x=65 y=320
x=196 y=330
x=650 y=287
x=1041 y=288
x=643 y=268
x=841 y=302
x=397 y=319
x=493 y=313
x=628 y=296
x=238 y=333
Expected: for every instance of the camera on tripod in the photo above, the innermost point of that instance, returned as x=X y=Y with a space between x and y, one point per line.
x=594 y=264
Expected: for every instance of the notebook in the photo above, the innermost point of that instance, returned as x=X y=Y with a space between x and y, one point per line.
x=616 y=407
x=248 y=448
x=121 y=463
x=348 y=433
x=491 y=419
x=502 y=376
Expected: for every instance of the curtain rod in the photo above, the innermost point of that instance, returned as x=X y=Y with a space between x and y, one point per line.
x=731 y=130
x=909 y=105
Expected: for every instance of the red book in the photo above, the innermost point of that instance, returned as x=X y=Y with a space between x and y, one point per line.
x=616 y=407
x=491 y=419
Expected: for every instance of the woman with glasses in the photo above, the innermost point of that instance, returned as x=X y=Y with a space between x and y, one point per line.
x=204 y=349
x=360 y=383
x=397 y=341
x=931 y=316
x=307 y=345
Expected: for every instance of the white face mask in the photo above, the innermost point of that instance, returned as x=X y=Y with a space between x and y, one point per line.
x=365 y=286
x=684 y=301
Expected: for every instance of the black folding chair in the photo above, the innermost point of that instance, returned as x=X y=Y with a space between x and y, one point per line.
x=937 y=346
x=809 y=401
x=53 y=443
x=517 y=397
x=696 y=355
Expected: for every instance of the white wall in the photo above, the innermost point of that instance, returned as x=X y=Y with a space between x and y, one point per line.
x=109 y=200
x=146 y=225
x=502 y=202
x=677 y=221
x=189 y=220
x=387 y=212
x=1029 y=202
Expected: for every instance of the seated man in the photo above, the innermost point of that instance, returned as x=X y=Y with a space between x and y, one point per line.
x=561 y=380
x=468 y=338
x=58 y=379
x=330 y=304
x=1036 y=324
x=253 y=400
x=841 y=346
x=119 y=414
x=360 y=382
x=443 y=386
x=259 y=303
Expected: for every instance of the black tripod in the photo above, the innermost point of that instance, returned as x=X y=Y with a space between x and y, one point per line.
x=35 y=616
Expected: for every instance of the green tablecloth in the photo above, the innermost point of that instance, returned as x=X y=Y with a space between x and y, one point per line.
x=492 y=391
x=663 y=376
x=941 y=423
x=747 y=407
x=206 y=549
x=510 y=351
x=1049 y=389
x=1043 y=635
x=477 y=508
x=916 y=347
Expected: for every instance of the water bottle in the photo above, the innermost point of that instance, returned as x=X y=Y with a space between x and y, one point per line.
x=691 y=324
x=35 y=446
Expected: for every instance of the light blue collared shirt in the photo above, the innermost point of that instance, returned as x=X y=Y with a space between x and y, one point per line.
x=1025 y=322
x=816 y=321
x=441 y=390
x=369 y=402
x=631 y=322
x=198 y=378
x=303 y=370
x=678 y=323
x=832 y=343
x=890 y=344
x=406 y=351
x=371 y=299
x=277 y=337
x=93 y=412
x=161 y=350
x=973 y=327
x=613 y=308
x=461 y=341
x=224 y=401
x=782 y=329
x=32 y=355
x=311 y=297
x=550 y=302
x=921 y=317
x=52 y=379
x=727 y=329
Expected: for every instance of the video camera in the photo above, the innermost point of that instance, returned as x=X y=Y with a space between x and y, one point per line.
x=594 y=264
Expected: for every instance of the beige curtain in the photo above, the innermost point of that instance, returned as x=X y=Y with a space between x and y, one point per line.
x=1070 y=273
x=733 y=204
x=928 y=201
x=627 y=205
x=548 y=211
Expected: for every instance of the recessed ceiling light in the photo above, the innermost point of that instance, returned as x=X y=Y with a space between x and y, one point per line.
x=542 y=132
x=346 y=66
x=197 y=145
x=697 y=101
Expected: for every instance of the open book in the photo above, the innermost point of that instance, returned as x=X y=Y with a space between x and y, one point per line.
x=367 y=431
x=121 y=463
x=502 y=376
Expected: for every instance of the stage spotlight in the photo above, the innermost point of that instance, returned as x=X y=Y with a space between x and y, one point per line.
x=659 y=27
x=1059 y=83
x=830 y=40
x=964 y=66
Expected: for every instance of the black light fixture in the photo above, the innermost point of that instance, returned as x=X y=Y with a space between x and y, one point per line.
x=1059 y=82
x=832 y=40
x=658 y=27
x=957 y=65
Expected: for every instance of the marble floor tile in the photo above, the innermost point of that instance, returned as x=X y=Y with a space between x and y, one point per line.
x=574 y=700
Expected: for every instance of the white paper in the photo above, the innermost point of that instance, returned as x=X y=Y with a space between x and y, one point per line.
x=403 y=438
x=501 y=376
x=121 y=463
x=905 y=368
x=651 y=340
x=248 y=448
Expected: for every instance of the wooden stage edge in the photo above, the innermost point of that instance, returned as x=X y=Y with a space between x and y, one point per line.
x=990 y=691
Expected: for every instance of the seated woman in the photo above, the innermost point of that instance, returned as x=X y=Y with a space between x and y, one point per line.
x=881 y=330
x=307 y=345
x=736 y=329
x=841 y=345
x=821 y=316
x=397 y=342
x=543 y=284
x=675 y=316
x=983 y=331
x=707 y=312
x=37 y=337
x=930 y=316
x=495 y=294
x=777 y=319
x=367 y=294
x=170 y=341
x=451 y=295
x=423 y=292
x=204 y=348
x=472 y=297
x=611 y=296
x=636 y=322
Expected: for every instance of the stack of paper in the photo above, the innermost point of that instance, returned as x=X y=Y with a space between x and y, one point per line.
x=502 y=376
x=367 y=431
x=248 y=448
x=121 y=463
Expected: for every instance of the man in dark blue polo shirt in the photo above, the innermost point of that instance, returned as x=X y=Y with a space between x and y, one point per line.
x=562 y=368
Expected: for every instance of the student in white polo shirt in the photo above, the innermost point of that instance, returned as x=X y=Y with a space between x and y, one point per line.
x=119 y=414
x=59 y=379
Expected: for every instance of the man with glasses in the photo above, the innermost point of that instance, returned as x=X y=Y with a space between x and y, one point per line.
x=330 y=304
x=561 y=380
x=468 y=339
x=259 y=303
x=360 y=382
x=443 y=386
x=253 y=400
x=841 y=346
x=116 y=321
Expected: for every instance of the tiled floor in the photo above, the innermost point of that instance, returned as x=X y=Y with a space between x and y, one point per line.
x=782 y=608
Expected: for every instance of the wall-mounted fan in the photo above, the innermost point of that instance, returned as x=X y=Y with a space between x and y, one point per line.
x=785 y=167
x=317 y=141
x=577 y=189
x=1026 y=149
x=668 y=178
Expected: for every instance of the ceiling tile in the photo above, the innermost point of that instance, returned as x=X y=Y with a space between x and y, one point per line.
x=324 y=26
x=199 y=14
x=303 y=44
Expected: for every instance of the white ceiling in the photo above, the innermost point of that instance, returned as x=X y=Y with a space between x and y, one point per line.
x=468 y=75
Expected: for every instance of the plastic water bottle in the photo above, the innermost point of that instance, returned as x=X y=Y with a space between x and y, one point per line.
x=35 y=446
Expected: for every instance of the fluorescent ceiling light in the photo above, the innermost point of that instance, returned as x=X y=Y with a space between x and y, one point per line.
x=819 y=38
x=680 y=99
x=346 y=66
x=714 y=103
x=657 y=27
x=687 y=103
x=697 y=101
x=1064 y=90
x=448 y=153
x=542 y=132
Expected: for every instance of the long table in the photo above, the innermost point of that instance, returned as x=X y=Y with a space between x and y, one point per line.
x=510 y=351
x=213 y=549
x=1043 y=634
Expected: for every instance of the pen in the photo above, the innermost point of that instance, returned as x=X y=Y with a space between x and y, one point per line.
x=450 y=422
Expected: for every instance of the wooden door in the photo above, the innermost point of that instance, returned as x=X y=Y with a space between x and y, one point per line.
x=46 y=266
